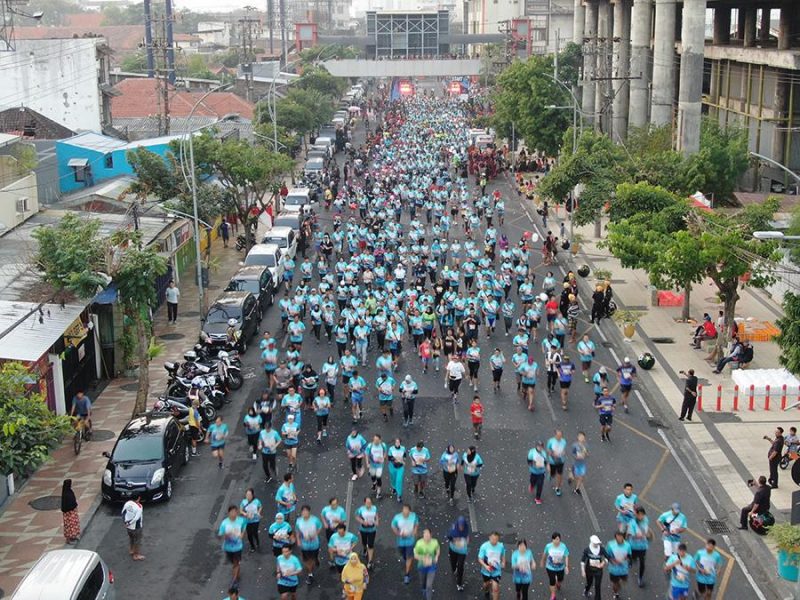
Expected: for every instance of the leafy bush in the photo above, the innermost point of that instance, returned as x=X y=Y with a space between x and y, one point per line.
x=29 y=429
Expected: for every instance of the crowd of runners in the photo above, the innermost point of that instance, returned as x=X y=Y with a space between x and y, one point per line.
x=417 y=275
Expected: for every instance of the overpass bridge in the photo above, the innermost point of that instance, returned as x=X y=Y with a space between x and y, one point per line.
x=403 y=67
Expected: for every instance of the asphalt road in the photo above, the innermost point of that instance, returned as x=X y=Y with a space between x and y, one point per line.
x=184 y=558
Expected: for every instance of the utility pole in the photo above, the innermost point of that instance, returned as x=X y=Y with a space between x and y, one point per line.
x=246 y=27
x=284 y=40
x=271 y=25
x=160 y=50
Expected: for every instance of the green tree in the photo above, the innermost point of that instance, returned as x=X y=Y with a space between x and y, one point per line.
x=633 y=198
x=134 y=63
x=722 y=160
x=132 y=14
x=195 y=66
x=76 y=260
x=789 y=338
x=249 y=175
x=29 y=428
x=599 y=165
x=319 y=80
x=682 y=251
x=317 y=54
x=523 y=91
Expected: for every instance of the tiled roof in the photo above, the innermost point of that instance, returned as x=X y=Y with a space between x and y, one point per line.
x=138 y=98
x=31 y=125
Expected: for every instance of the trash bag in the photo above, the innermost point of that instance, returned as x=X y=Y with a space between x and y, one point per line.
x=646 y=361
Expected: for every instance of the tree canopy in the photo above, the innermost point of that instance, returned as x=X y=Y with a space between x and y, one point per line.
x=523 y=91
x=647 y=157
x=681 y=245
x=789 y=337
x=28 y=428
x=73 y=257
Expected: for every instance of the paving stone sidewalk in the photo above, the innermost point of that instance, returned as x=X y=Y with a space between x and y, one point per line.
x=30 y=522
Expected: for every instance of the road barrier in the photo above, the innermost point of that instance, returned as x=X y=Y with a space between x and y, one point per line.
x=754 y=398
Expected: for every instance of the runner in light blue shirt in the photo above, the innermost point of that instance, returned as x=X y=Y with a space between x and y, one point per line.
x=522 y=564
x=708 y=562
x=680 y=567
x=404 y=527
x=619 y=561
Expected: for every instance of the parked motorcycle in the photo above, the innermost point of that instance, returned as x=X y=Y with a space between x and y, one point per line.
x=180 y=408
x=226 y=370
x=241 y=241
x=179 y=387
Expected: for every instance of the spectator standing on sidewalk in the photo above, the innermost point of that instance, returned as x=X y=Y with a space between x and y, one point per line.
x=132 y=516
x=774 y=456
x=225 y=232
x=172 y=294
x=689 y=395
x=69 y=513
x=760 y=503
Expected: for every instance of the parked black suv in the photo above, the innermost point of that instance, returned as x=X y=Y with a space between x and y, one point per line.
x=145 y=459
x=258 y=281
x=240 y=306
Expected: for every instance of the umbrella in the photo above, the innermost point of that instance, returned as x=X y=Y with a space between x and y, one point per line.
x=354 y=109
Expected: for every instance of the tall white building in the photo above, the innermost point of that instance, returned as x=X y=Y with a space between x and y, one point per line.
x=63 y=79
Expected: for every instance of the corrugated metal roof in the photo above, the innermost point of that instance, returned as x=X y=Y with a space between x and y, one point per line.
x=28 y=339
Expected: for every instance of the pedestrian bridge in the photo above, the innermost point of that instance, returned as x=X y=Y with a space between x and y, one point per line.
x=403 y=67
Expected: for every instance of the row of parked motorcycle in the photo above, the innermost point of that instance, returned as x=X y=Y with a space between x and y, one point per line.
x=209 y=373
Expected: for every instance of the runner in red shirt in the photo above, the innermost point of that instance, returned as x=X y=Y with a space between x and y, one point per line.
x=476 y=413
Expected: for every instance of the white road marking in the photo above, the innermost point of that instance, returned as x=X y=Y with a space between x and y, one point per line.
x=711 y=513
x=647 y=410
x=550 y=406
x=348 y=503
x=590 y=510
x=473 y=518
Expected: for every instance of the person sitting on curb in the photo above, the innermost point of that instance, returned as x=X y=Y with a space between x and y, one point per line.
x=705 y=331
x=733 y=355
x=759 y=505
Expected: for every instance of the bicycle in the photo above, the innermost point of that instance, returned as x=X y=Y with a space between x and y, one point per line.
x=83 y=431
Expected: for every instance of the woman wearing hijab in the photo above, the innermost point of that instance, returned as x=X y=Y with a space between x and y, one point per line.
x=458 y=541
x=593 y=563
x=69 y=512
x=355 y=578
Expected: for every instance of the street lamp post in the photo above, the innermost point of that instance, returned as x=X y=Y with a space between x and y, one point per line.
x=195 y=216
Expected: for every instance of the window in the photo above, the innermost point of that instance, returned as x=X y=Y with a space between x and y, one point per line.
x=22 y=205
x=93 y=585
x=109 y=161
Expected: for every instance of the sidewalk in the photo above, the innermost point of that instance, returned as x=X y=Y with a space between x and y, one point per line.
x=30 y=523
x=660 y=332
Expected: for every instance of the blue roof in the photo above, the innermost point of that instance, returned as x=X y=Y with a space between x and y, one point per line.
x=104 y=143
x=107 y=296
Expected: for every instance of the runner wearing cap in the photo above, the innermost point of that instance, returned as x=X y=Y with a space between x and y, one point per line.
x=626 y=373
x=673 y=523
x=408 y=393
x=599 y=381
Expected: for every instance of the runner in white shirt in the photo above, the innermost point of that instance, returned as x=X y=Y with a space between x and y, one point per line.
x=454 y=372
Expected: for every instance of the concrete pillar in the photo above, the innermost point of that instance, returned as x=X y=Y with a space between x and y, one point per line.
x=781 y=108
x=749 y=26
x=578 y=20
x=785 y=27
x=740 y=24
x=589 y=61
x=691 y=78
x=622 y=30
x=765 y=25
x=641 y=28
x=722 y=25
x=664 y=63
x=603 y=68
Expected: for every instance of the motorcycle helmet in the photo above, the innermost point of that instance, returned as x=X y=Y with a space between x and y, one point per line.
x=190 y=356
x=646 y=361
x=232 y=322
x=222 y=355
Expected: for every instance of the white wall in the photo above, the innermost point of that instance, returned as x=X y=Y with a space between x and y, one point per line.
x=25 y=187
x=58 y=78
